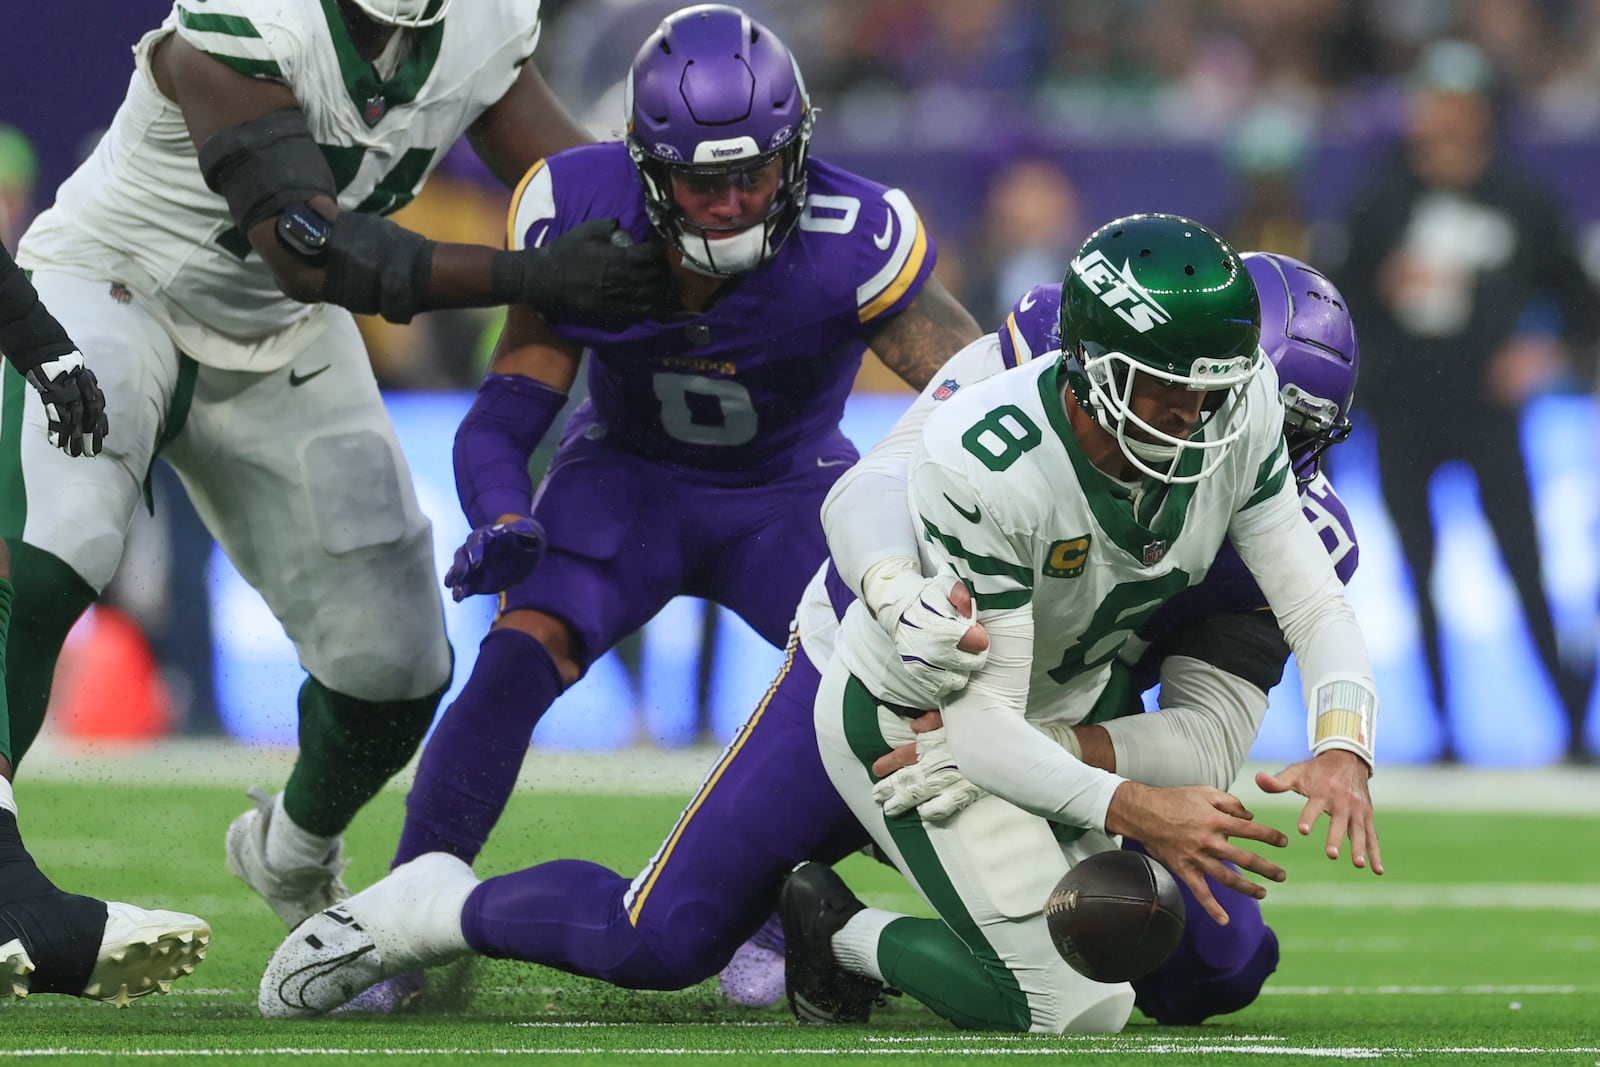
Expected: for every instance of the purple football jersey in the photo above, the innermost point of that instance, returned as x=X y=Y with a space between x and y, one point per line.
x=766 y=368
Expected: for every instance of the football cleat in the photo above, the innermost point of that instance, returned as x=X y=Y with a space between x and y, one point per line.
x=143 y=952
x=402 y=923
x=15 y=968
x=294 y=894
x=814 y=905
x=754 y=977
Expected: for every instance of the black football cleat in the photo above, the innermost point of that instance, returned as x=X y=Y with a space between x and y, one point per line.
x=813 y=906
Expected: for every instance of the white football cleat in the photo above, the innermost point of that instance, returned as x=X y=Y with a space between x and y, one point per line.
x=15 y=967
x=141 y=952
x=144 y=952
x=405 y=922
x=293 y=894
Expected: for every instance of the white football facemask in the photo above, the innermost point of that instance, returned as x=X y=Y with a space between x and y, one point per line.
x=1158 y=455
x=408 y=13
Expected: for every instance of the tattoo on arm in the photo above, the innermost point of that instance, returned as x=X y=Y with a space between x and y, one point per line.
x=922 y=338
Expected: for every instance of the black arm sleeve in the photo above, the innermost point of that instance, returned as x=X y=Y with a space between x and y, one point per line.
x=264 y=165
x=29 y=334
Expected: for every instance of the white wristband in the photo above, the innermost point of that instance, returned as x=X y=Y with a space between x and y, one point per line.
x=1343 y=714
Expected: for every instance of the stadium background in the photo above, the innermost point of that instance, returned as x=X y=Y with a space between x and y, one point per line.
x=1016 y=126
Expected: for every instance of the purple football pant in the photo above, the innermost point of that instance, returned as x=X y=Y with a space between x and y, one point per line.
x=1215 y=969
x=765 y=806
x=626 y=535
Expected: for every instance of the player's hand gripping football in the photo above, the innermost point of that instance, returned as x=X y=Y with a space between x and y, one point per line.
x=496 y=557
x=597 y=269
x=1334 y=782
x=1188 y=829
x=932 y=623
x=74 y=407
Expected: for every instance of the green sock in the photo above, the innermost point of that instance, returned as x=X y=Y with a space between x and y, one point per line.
x=49 y=597
x=348 y=749
x=925 y=959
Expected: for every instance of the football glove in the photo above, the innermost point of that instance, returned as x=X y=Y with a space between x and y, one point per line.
x=74 y=407
x=597 y=269
x=495 y=557
x=916 y=612
x=933 y=785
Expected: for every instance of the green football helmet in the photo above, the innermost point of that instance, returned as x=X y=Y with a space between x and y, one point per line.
x=1165 y=296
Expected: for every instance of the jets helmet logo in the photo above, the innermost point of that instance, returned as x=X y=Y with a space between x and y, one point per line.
x=1120 y=291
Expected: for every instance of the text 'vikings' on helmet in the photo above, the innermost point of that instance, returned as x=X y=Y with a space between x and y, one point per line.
x=714 y=94
x=1307 y=333
x=408 y=13
x=1164 y=296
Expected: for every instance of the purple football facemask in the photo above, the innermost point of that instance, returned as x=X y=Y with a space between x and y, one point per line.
x=1308 y=335
x=713 y=96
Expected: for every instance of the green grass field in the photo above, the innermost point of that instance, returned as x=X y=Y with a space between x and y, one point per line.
x=1479 y=946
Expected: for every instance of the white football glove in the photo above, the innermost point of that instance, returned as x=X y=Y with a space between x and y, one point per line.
x=916 y=612
x=933 y=785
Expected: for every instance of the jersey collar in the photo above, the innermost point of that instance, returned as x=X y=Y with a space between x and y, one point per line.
x=1134 y=535
x=374 y=99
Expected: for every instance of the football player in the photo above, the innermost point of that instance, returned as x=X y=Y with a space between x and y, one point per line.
x=52 y=941
x=1215 y=648
x=1073 y=497
x=210 y=253
x=711 y=435
x=765 y=805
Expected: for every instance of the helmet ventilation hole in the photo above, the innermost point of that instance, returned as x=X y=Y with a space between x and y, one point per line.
x=1188 y=268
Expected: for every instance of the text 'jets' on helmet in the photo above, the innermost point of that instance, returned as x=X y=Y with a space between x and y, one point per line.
x=1163 y=296
x=714 y=94
x=1307 y=332
x=408 y=13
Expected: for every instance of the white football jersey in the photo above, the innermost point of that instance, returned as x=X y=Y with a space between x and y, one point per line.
x=1004 y=496
x=138 y=210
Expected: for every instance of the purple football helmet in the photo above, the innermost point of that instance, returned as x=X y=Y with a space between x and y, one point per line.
x=714 y=94
x=1307 y=333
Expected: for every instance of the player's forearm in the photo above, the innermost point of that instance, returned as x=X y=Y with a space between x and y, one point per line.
x=29 y=334
x=508 y=418
x=1291 y=566
x=1201 y=735
x=1001 y=752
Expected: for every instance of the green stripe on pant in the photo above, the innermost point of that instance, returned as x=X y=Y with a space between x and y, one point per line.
x=945 y=963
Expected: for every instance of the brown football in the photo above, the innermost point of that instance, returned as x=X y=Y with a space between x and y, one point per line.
x=1116 y=916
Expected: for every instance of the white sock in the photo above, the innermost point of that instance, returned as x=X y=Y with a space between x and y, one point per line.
x=855 y=946
x=8 y=799
x=289 y=846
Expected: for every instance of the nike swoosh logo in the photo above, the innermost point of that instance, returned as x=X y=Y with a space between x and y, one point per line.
x=882 y=241
x=831 y=462
x=971 y=516
x=1027 y=301
x=301 y=379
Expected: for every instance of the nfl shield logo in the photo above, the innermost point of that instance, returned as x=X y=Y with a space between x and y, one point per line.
x=1154 y=552
x=377 y=107
x=947 y=389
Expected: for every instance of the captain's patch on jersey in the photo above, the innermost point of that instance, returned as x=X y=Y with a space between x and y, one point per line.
x=1066 y=558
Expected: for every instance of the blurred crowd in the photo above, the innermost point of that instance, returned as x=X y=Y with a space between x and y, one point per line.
x=1260 y=85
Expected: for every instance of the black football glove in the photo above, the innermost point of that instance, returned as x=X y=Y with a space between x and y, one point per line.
x=597 y=270
x=74 y=407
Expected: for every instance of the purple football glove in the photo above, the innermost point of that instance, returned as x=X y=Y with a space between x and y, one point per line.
x=495 y=557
